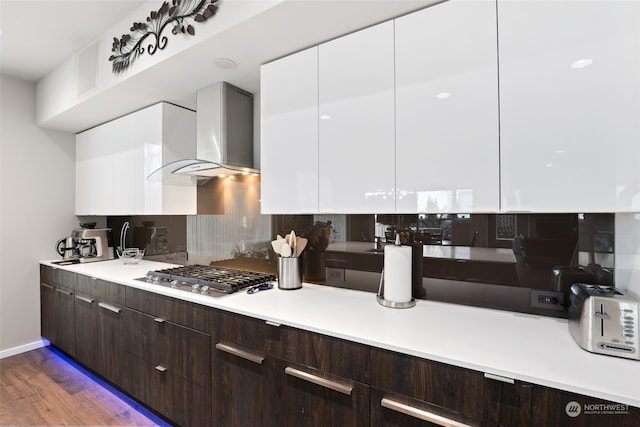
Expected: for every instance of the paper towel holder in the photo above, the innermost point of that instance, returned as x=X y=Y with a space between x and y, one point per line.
x=391 y=304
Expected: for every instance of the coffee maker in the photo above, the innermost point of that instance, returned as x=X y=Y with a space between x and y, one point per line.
x=87 y=245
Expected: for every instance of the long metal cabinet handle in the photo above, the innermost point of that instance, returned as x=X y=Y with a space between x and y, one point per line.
x=159 y=320
x=420 y=414
x=87 y=300
x=109 y=307
x=341 y=388
x=240 y=353
x=161 y=368
x=46 y=286
x=62 y=291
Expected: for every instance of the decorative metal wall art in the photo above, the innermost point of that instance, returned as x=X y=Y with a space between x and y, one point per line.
x=130 y=46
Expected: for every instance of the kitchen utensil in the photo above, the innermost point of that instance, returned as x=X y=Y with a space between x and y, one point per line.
x=289 y=273
x=261 y=287
x=277 y=244
x=285 y=250
x=301 y=243
x=292 y=242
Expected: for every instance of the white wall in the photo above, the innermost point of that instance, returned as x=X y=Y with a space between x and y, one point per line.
x=37 y=193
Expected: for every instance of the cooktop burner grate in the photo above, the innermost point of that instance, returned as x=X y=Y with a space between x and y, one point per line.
x=201 y=278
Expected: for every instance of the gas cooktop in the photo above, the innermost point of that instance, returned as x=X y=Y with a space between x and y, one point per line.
x=206 y=280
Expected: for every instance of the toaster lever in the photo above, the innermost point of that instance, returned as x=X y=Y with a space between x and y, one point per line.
x=602 y=315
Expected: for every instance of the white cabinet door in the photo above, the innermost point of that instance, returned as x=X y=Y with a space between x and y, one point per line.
x=447 y=146
x=113 y=161
x=174 y=139
x=356 y=95
x=570 y=105
x=128 y=156
x=94 y=171
x=289 y=134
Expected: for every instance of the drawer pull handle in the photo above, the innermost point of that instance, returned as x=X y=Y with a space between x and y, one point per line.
x=420 y=414
x=341 y=388
x=46 y=286
x=62 y=291
x=161 y=368
x=240 y=353
x=159 y=320
x=499 y=378
x=272 y=323
x=87 y=300
x=109 y=307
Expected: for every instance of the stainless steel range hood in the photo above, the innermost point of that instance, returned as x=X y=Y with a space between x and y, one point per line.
x=224 y=138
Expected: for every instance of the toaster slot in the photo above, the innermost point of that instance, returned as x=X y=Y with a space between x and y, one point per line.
x=614 y=347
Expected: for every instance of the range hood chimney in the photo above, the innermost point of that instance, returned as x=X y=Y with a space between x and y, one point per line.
x=224 y=138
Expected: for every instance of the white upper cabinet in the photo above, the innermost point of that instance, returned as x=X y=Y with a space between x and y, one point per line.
x=356 y=112
x=447 y=146
x=289 y=134
x=95 y=171
x=113 y=161
x=570 y=105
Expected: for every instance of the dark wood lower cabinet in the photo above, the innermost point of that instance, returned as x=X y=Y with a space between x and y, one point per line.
x=111 y=329
x=57 y=316
x=198 y=366
x=239 y=371
x=453 y=390
x=392 y=410
x=551 y=407
x=302 y=396
x=182 y=401
x=86 y=325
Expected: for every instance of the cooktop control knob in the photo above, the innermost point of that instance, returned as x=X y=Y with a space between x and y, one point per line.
x=204 y=290
x=194 y=288
x=174 y=283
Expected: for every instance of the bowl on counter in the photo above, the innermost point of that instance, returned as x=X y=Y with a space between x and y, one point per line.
x=130 y=255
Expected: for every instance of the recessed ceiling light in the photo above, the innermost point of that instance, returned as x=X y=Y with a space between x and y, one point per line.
x=581 y=63
x=443 y=95
x=224 y=63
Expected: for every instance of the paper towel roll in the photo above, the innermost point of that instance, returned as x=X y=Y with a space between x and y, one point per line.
x=397 y=273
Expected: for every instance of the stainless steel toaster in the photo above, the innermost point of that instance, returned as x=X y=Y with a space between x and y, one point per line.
x=602 y=319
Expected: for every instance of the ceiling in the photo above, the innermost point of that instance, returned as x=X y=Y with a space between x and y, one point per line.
x=30 y=51
x=32 y=43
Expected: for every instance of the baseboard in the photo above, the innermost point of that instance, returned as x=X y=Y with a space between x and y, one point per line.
x=23 y=348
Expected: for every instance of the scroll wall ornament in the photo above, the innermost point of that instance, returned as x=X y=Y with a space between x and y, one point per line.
x=130 y=46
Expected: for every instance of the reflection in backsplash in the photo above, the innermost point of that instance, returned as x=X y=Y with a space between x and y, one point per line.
x=238 y=231
x=547 y=251
x=158 y=235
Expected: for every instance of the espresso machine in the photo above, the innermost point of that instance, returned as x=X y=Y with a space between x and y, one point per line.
x=86 y=245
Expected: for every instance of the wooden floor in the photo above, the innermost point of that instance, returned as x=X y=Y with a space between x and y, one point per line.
x=43 y=387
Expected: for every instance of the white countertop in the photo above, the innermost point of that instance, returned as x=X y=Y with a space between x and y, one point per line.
x=535 y=349
x=437 y=251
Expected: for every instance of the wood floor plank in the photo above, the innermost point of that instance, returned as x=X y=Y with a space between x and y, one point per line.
x=42 y=387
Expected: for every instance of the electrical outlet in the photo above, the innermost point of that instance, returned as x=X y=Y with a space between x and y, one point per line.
x=335 y=274
x=547 y=299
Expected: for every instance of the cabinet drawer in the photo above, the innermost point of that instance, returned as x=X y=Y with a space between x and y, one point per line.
x=392 y=410
x=101 y=289
x=551 y=407
x=174 y=310
x=458 y=390
x=310 y=397
x=183 y=351
x=332 y=355
x=57 y=276
x=247 y=332
x=180 y=400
